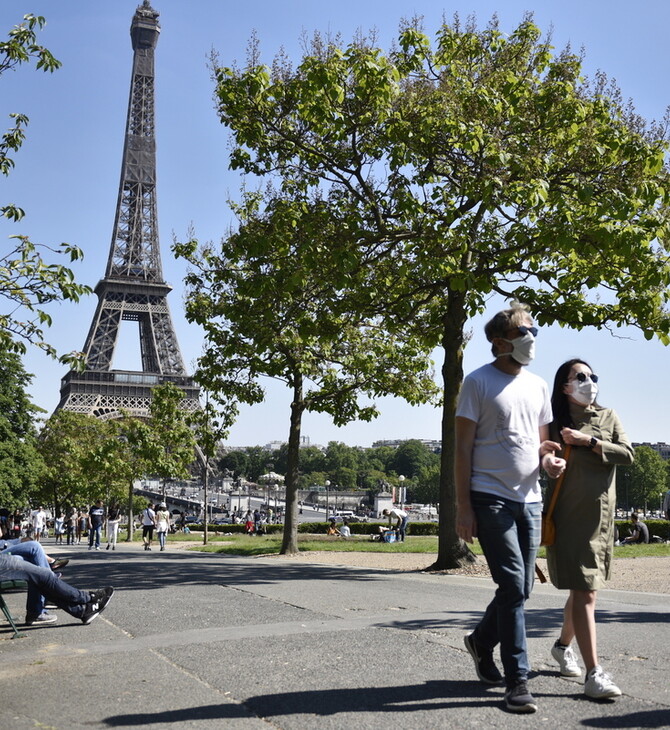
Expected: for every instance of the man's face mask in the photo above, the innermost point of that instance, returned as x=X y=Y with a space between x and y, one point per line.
x=523 y=348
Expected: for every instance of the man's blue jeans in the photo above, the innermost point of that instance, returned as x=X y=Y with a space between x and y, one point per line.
x=94 y=536
x=32 y=552
x=45 y=582
x=509 y=533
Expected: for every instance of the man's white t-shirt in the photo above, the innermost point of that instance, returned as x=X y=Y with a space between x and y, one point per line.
x=148 y=517
x=509 y=411
x=399 y=514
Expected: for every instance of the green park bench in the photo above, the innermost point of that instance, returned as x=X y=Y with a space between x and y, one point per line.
x=11 y=586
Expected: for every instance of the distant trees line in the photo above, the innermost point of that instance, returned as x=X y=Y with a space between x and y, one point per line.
x=347 y=467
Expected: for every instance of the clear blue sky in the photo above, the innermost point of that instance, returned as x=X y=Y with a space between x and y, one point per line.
x=67 y=173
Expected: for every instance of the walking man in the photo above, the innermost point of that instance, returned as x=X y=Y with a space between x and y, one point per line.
x=148 y=524
x=96 y=516
x=502 y=423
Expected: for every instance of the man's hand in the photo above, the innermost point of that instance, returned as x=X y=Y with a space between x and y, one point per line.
x=466 y=523
x=549 y=447
x=553 y=465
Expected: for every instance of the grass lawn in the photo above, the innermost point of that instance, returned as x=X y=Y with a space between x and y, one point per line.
x=271 y=544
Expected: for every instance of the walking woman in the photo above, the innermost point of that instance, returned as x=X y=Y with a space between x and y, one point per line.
x=113 y=520
x=580 y=559
x=162 y=524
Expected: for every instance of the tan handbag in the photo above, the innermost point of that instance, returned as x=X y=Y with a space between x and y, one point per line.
x=548 y=526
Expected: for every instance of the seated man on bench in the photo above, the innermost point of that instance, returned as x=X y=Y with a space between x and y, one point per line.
x=44 y=583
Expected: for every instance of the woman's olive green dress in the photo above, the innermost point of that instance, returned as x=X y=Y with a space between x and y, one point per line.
x=581 y=557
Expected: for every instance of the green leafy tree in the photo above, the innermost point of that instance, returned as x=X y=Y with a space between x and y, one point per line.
x=134 y=442
x=269 y=309
x=21 y=466
x=235 y=462
x=68 y=443
x=647 y=478
x=170 y=450
x=443 y=174
x=426 y=488
x=28 y=281
x=411 y=457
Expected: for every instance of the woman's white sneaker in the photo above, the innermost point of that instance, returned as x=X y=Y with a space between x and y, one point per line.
x=599 y=685
x=567 y=660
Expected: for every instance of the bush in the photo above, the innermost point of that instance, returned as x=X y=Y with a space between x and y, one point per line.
x=368 y=528
x=234 y=529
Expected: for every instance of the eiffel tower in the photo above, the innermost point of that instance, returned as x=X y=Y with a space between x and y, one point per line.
x=133 y=287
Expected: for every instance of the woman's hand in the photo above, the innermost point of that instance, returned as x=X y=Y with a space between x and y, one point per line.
x=575 y=438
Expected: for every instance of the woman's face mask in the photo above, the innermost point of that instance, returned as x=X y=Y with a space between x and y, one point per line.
x=584 y=388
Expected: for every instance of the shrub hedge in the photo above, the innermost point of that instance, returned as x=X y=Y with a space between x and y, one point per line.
x=660 y=528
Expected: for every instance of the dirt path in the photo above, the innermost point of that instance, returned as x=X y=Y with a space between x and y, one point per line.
x=646 y=574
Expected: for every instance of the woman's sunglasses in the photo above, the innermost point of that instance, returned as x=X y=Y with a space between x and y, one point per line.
x=583 y=376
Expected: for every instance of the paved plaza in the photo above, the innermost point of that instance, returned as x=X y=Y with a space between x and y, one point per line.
x=194 y=640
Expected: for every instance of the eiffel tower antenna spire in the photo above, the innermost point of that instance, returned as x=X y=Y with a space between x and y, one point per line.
x=133 y=287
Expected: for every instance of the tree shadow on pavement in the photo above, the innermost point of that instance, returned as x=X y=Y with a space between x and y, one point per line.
x=646 y=718
x=431 y=695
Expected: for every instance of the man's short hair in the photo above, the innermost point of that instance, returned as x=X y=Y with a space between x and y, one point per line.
x=505 y=321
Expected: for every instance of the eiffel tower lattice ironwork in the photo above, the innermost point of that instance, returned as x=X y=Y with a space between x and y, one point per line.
x=133 y=287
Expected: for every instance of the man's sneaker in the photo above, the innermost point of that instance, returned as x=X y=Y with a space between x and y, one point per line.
x=484 y=664
x=43 y=618
x=567 y=660
x=599 y=685
x=97 y=604
x=519 y=699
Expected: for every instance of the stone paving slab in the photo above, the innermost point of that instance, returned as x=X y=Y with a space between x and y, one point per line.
x=193 y=640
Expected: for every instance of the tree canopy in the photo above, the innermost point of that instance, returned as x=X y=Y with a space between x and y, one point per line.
x=442 y=173
x=21 y=466
x=28 y=281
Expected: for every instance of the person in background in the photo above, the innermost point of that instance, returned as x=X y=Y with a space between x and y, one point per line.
x=502 y=438
x=345 y=530
x=401 y=518
x=59 y=528
x=113 y=519
x=148 y=524
x=96 y=517
x=39 y=523
x=639 y=531
x=332 y=527
x=580 y=558
x=666 y=505
x=162 y=524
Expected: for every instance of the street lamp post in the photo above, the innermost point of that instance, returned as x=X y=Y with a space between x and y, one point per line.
x=401 y=479
x=327 y=507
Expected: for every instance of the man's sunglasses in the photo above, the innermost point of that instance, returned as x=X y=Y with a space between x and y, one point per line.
x=583 y=376
x=525 y=330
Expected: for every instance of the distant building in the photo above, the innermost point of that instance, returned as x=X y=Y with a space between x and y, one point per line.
x=430 y=444
x=660 y=448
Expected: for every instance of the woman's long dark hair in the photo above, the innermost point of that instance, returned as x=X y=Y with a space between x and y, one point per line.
x=559 y=400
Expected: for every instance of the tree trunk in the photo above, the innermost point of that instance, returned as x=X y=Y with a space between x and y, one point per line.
x=130 y=512
x=452 y=551
x=205 y=534
x=289 y=544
